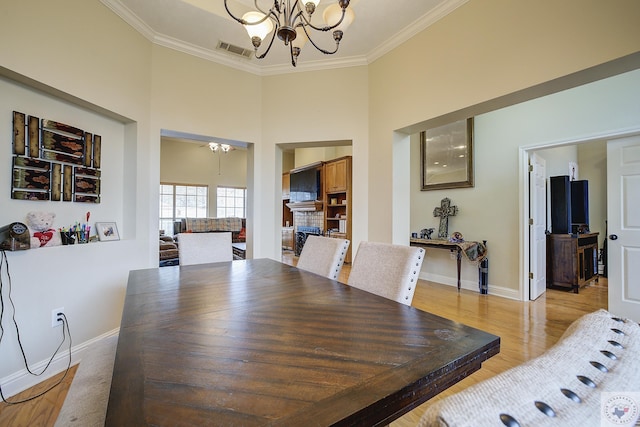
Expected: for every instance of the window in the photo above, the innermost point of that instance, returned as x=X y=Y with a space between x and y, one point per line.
x=231 y=202
x=181 y=201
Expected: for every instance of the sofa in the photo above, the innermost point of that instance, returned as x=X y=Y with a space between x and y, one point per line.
x=596 y=362
x=237 y=226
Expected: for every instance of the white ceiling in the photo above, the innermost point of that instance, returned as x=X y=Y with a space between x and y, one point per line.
x=196 y=26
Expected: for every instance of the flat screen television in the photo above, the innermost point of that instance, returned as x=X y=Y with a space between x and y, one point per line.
x=304 y=185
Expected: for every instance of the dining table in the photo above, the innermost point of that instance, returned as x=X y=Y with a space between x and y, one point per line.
x=261 y=343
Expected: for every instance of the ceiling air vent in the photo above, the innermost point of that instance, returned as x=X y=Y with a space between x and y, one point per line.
x=236 y=50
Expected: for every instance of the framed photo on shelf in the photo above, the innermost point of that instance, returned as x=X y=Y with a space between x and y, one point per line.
x=446 y=156
x=107 y=231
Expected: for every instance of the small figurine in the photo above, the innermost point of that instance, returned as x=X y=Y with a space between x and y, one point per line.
x=456 y=237
x=425 y=233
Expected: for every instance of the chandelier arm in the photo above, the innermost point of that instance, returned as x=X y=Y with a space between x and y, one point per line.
x=293 y=58
x=273 y=37
x=296 y=17
x=292 y=10
x=275 y=6
x=231 y=14
x=308 y=23
x=244 y=22
x=326 y=52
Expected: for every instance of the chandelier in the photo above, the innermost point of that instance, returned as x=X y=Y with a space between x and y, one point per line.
x=219 y=149
x=215 y=147
x=292 y=26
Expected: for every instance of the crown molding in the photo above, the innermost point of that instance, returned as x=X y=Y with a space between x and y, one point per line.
x=416 y=27
x=208 y=54
x=325 y=64
x=130 y=18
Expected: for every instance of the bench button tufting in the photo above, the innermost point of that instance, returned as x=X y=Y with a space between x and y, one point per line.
x=509 y=421
x=616 y=344
x=587 y=381
x=545 y=409
x=599 y=366
x=571 y=395
x=609 y=354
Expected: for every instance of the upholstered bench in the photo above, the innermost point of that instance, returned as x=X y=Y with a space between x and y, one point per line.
x=86 y=402
x=563 y=387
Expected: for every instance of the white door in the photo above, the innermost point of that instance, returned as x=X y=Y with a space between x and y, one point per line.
x=537 y=236
x=623 y=213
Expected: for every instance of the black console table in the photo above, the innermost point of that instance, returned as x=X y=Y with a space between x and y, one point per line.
x=473 y=251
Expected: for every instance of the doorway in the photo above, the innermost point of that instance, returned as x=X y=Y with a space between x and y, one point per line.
x=202 y=181
x=296 y=155
x=586 y=160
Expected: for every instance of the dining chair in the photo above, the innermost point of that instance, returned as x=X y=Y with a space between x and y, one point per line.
x=201 y=248
x=390 y=271
x=323 y=255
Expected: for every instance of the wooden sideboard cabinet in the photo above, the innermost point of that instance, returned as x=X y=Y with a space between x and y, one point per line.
x=572 y=260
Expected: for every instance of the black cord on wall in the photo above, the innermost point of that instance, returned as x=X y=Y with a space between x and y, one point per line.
x=4 y=262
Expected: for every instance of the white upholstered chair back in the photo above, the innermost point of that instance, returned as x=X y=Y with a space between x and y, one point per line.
x=390 y=271
x=323 y=256
x=202 y=248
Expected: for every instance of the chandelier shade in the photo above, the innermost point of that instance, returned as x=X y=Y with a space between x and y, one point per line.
x=291 y=22
x=332 y=15
x=259 y=26
x=215 y=147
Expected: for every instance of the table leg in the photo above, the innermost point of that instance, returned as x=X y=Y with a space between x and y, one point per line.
x=459 y=262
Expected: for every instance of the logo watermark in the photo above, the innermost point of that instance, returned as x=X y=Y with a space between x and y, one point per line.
x=619 y=409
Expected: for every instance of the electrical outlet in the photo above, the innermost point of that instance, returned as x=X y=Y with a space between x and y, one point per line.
x=55 y=319
x=453 y=254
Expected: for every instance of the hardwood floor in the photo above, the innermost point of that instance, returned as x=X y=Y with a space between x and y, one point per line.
x=40 y=412
x=526 y=329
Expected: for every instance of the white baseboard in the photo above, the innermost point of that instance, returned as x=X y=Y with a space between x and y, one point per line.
x=22 y=380
x=471 y=285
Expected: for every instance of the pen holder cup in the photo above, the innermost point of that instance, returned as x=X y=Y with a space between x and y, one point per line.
x=67 y=238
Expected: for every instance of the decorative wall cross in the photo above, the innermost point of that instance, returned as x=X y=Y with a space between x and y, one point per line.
x=444 y=212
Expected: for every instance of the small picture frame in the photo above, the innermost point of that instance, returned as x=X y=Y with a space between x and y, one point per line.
x=107 y=231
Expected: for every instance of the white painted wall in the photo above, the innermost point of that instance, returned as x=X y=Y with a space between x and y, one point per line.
x=557 y=159
x=306 y=156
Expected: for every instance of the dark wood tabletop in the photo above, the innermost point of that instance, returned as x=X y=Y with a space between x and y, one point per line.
x=258 y=342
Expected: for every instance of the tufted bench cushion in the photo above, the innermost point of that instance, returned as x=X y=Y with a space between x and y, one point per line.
x=597 y=353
